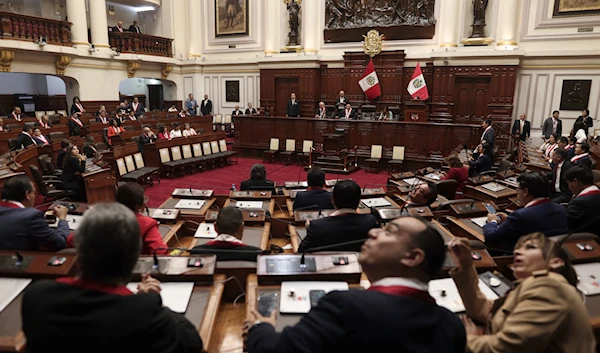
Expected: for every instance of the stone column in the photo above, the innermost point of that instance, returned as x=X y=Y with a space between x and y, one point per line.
x=195 y=27
x=99 y=24
x=310 y=15
x=77 y=16
x=506 y=24
x=450 y=24
x=272 y=20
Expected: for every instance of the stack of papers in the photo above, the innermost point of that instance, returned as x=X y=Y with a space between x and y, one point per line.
x=589 y=278
x=433 y=176
x=249 y=204
x=206 y=230
x=10 y=288
x=446 y=295
x=190 y=204
x=495 y=187
x=413 y=181
x=376 y=202
x=480 y=221
x=175 y=295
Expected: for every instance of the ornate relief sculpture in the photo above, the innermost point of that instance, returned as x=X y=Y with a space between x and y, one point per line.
x=344 y=14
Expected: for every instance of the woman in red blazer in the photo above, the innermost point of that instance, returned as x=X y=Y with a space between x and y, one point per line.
x=458 y=172
x=113 y=130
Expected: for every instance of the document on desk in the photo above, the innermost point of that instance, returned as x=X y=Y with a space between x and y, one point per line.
x=190 y=204
x=376 y=202
x=10 y=288
x=433 y=176
x=589 y=278
x=206 y=230
x=413 y=181
x=495 y=187
x=446 y=295
x=249 y=204
x=72 y=220
x=480 y=221
x=175 y=295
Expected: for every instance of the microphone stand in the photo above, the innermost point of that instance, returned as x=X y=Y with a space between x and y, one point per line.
x=408 y=198
x=326 y=247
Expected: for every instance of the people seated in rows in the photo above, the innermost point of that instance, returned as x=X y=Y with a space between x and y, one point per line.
x=163 y=133
x=559 y=190
x=73 y=168
x=25 y=138
x=538 y=214
x=191 y=105
x=250 y=110
x=563 y=143
x=386 y=114
x=16 y=114
x=543 y=313
x=146 y=137
x=293 y=107
x=103 y=118
x=258 y=179
x=321 y=111
x=183 y=114
x=23 y=227
x=343 y=225
x=134 y=28
x=586 y=120
x=75 y=125
x=77 y=107
x=176 y=132
x=423 y=194
x=572 y=143
x=552 y=126
x=89 y=149
x=39 y=138
x=582 y=210
x=348 y=113
x=549 y=146
x=522 y=128
x=489 y=134
x=458 y=172
x=136 y=107
x=395 y=314
x=123 y=109
x=67 y=314
x=483 y=162
x=102 y=107
x=237 y=111
x=316 y=197
x=44 y=122
x=206 y=106
x=60 y=157
x=188 y=131
x=228 y=245
x=172 y=109
x=131 y=116
x=581 y=156
x=114 y=130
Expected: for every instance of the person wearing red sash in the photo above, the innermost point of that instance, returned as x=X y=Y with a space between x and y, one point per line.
x=559 y=191
x=40 y=139
x=75 y=125
x=103 y=117
x=23 y=227
x=113 y=130
x=543 y=313
x=163 y=133
x=16 y=114
x=44 y=122
x=538 y=214
x=136 y=107
x=77 y=107
x=581 y=156
x=69 y=313
x=25 y=139
x=396 y=314
x=583 y=207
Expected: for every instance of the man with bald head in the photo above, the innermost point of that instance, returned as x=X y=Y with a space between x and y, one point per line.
x=237 y=111
x=118 y=27
x=321 y=112
x=397 y=310
x=147 y=137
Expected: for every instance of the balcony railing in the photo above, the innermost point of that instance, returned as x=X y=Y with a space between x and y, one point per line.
x=128 y=42
x=30 y=28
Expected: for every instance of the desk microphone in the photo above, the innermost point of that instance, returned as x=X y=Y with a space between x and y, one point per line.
x=325 y=247
x=412 y=187
x=202 y=189
x=19 y=259
x=370 y=184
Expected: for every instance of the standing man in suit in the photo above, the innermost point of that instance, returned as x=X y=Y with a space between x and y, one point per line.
x=537 y=215
x=399 y=261
x=341 y=102
x=559 y=190
x=119 y=27
x=23 y=227
x=342 y=225
x=348 y=113
x=134 y=28
x=321 y=112
x=191 y=105
x=206 y=105
x=250 y=110
x=522 y=128
x=136 y=107
x=67 y=314
x=293 y=107
x=552 y=125
x=25 y=139
x=583 y=207
x=316 y=194
x=581 y=156
x=489 y=134
x=237 y=111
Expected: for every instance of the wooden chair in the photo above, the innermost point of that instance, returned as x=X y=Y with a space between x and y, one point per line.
x=307 y=146
x=220 y=157
x=374 y=163
x=271 y=154
x=217 y=122
x=395 y=164
x=228 y=125
x=289 y=153
x=199 y=157
x=229 y=154
x=61 y=112
x=168 y=165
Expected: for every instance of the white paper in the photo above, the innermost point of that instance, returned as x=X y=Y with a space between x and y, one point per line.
x=480 y=221
x=190 y=204
x=451 y=300
x=249 y=204
x=72 y=220
x=299 y=302
x=495 y=187
x=10 y=288
x=376 y=202
x=175 y=295
x=206 y=230
x=433 y=176
x=589 y=278
x=413 y=181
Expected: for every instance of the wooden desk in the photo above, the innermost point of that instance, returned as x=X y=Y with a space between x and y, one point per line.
x=463 y=227
x=250 y=195
x=578 y=256
x=373 y=192
x=479 y=180
x=297 y=234
x=175 y=269
x=403 y=175
x=471 y=209
x=253 y=236
x=389 y=214
x=169 y=232
x=500 y=198
x=100 y=186
x=35 y=265
x=172 y=201
x=362 y=209
x=268 y=205
x=258 y=219
x=300 y=217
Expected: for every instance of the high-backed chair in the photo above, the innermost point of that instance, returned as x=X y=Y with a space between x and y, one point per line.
x=61 y=112
x=56 y=136
x=374 y=162
x=150 y=173
x=290 y=150
x=199 y=157
x=271 y=154
x=228 y=154
x=395 y=164
x=50 y=112
x=447 y=188
x=210 y=158
x=51 y=189
x=168 y=165
x=39 y=114
x=307 y=146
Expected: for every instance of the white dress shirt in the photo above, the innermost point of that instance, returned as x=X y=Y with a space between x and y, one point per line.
x=176 y=133
x=557 y=181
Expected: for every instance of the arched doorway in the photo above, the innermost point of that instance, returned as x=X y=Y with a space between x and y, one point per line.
x=155 y=94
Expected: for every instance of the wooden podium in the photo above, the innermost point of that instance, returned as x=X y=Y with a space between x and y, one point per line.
x=99 y=186
x=416 y=110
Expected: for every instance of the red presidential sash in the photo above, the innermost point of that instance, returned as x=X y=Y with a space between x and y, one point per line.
x=348 y=112
x=550 y=149
x=77 y=121
x=403 y=291
x=41 y=137
x=80 y=107
x=17 y=117
x=578 y=157
x=590 y=192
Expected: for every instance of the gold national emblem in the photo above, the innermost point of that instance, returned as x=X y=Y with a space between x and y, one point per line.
x=418 y=83
x=371 y=80
x=373 y=43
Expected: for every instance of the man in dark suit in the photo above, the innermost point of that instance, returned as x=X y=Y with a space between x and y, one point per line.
x=147 y=137
x=582 y=210
x=206 y=105
x=340 y=103
x=237 y=111
x=230 y=227
x=581 y=155
x=316 y=195
x=135 y=28
x=537 y=215
x=23 y=227
x=342 y=225
x=119 y=27
x=321 y=111
x=75 y=125
x=25 y=139
x=44 y=122
x=489 y=134
x=563 y=143
x=258 y=179
x=136 y=107
x=522 y=128
x=559 y=190
x=348 y=113
x=67 y=314
x=395 y=314
x=250 y=110
x=552 y=125
x=293 y=107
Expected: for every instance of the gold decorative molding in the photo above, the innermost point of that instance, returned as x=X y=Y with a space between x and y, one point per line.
x=62 y=61
x=449 y=45
x=373 y=43
x=132 y=67
x=6 y=59
x=506 y=43
x=165 y=70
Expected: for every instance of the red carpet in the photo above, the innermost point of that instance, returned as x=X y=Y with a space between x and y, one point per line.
x=220 y=179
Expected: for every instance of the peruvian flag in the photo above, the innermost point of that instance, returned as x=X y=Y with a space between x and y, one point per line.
x=417 y=86
x=369 y=82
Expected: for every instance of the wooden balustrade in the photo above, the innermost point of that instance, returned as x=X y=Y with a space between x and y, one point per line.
x=31 y=28
x=137 y=43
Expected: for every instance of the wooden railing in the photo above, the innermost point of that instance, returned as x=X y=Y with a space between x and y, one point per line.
x=127 y=42
x=30 y=28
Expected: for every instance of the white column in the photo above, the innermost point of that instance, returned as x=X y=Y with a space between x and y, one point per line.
x=98 y=23
x=272 y=17
x=311 y=13
x=506 y=24
x=77 y=16
x=195 y=25
x=448 y=29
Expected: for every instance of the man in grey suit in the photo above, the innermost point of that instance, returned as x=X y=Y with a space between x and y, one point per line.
x=552 y=125
x=23 y=227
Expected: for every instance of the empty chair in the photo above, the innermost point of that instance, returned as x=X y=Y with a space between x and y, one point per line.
x=150 y=173
x=374 y=162
x=290 y=150
x=228 y=154
x=50 y=112
x=395 y=164
x=307 y=146
x=51 y=189
x=270 y=155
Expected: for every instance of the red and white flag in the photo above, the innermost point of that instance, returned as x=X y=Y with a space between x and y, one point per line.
x=369 y=82
x=417 y=86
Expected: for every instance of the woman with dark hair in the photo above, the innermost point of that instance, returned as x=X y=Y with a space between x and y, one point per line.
x=386 y=114
x=74 y=166
x=113 y=130
x=483 y=162
x=88 y=147
x=163 y=133
x=544 y=312
x=77 y=107
x=584 y=121
x=458 y=172
x=258 y=179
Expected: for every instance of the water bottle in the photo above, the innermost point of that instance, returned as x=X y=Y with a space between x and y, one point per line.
x=233 y=187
